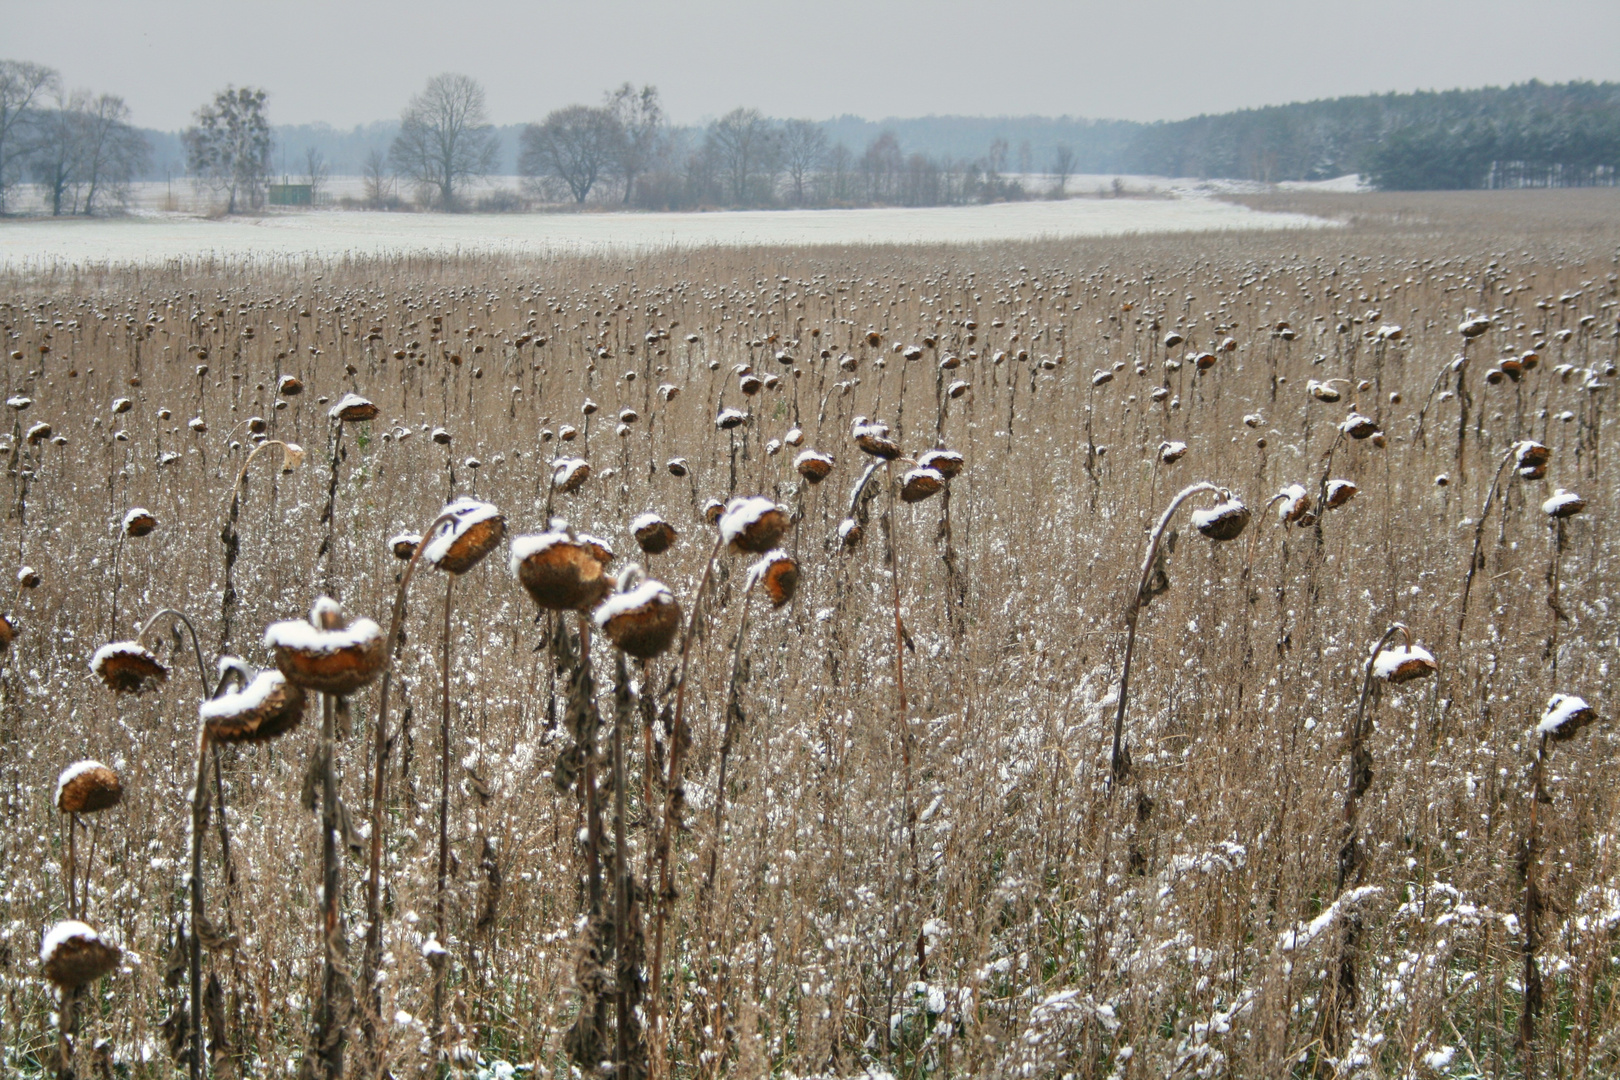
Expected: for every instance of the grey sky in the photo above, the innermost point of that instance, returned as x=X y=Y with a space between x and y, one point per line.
x=353 y=61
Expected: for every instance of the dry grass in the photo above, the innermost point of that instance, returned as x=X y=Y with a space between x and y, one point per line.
x=1012 y=916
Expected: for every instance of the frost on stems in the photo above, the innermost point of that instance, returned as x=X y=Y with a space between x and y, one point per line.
x=1528 y=455
x=382 y=745
x=1120 y=758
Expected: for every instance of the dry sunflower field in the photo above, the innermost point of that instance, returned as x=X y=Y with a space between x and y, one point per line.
x=1194 y=661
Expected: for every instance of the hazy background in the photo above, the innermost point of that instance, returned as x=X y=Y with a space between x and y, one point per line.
x=356 y=61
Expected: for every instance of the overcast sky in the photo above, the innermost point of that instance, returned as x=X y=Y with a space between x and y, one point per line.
x=352 y=61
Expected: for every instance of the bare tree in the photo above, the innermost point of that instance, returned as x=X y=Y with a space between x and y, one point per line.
x=804 y=149
x=58 y=148
x=316 y=173
x=836 y=175
x=445 y=139
x=113 y=151
x=880 y=167
x=577 y=145
x=379 y=182
x=228 y=147
x=22 y=87
x=641 y=123
x=996 y=160
x=745 y=147
x=1062 y=167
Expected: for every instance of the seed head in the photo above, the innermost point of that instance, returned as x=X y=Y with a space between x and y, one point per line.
x=73 y=954
x=1225 y=520
x=1530 y=459
x=256 y=711
x=560 y=571
x=1564 y=718
x=813 y=465
x=328 y=653
x=752 y=525
x=1358 y=426
x=473 y=532
x=653 y=534
x=778 y=572
x=1404 y=663
x=873 y=438
x=642 y=618
x=128 y=667
x=351 y=408
x=1563 y=504
x=86 y=787
x=569 y=474
x=919 y=484
x=948 y=463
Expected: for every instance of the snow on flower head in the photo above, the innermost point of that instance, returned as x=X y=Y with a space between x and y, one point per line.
x=747 y=519
x=1403 y=663
x=1565 y=716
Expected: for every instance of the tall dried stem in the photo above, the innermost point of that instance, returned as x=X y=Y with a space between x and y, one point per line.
x=1120 y=759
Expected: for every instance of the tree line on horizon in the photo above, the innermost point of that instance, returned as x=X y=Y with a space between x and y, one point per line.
x=81 y=153
x=1531 y=134
x=76 y=146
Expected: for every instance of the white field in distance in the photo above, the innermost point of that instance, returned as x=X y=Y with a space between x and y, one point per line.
x=152 y=234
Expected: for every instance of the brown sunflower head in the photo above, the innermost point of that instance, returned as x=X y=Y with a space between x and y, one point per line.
x=404 y=544
x=1340 y=492
x=813 y=465
x=353 y=409
x=653 y=534
x=778 y=573
x=872 y=436
x=562 y=572
x=568 y=474
x=1566 y=715
x=329 y=653
x=1226 y=520
x=751 y=525
x=1530 y=459
x=128 y=667
x=73 y=954
x=86 y=787
x=1404 y=663
x=257 y=710
x=642 y=619
x=948 y=463
x=139 y=522
x=920 y=484
x=474 y=530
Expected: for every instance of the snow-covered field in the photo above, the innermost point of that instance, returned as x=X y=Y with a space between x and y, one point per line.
x=157 y=236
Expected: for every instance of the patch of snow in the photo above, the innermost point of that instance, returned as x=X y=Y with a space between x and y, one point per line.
x=63 y=932
x=299 y=635
x=251 y=697
x=648 y=592
x=1390 y=660
x=1561 y=709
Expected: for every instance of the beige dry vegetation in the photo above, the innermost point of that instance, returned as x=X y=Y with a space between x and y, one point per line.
x=960 y=890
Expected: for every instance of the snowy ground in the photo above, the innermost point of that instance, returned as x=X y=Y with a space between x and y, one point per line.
x=154 y=235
